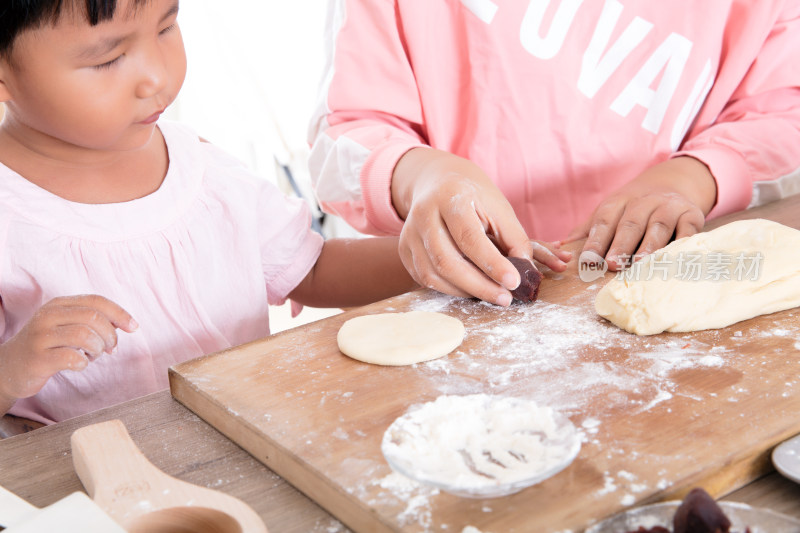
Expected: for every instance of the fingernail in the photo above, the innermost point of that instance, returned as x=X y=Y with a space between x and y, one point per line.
x=133 y=325
x=510 y=281
x=504 y=300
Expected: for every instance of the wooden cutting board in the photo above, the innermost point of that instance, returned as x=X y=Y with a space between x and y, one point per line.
x=660 y=414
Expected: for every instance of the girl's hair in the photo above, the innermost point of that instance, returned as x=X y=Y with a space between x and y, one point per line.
x=17 y=16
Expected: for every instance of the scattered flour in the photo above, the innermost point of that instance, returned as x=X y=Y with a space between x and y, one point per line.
x=576 y=361
x=608 y=484
x=415 y=495
x=591 y=425
x=622 y=368
x=662 y=396
x=329 y=526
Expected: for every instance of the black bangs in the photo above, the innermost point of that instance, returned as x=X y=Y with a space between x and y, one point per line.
x=100 y=10
x=17 y=16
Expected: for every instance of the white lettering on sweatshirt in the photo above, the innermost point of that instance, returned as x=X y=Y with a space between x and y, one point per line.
x=546 y=47
x=654 y=85
x=601 y=61
x=483 y=9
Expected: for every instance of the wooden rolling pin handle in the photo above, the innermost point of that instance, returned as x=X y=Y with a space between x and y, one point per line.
x=114 y=456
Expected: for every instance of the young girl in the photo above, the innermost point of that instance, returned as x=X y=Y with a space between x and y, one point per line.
x=623 y=121
x=112 y=220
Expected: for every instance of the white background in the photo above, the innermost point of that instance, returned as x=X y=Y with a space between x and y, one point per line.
x=253 y=77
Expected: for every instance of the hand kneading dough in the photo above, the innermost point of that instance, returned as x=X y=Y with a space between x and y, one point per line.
x=396 y=339
x=647 y=306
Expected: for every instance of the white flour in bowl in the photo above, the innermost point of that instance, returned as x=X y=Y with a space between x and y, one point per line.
x=480 y=445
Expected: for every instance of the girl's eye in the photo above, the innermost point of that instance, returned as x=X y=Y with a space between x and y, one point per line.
x=167 y=29
x=108 y=64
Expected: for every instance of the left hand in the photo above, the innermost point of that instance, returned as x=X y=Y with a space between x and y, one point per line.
x=669 y=199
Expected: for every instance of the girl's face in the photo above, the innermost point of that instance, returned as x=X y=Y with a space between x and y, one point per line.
x=98 y=87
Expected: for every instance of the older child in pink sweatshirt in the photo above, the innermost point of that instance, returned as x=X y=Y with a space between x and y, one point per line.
x=458 y=123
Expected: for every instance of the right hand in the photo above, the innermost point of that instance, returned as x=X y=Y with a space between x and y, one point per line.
x=64 y=334
x=458 y=227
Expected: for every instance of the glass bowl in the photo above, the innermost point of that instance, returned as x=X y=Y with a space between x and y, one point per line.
x=480 y=446
x=741 y=516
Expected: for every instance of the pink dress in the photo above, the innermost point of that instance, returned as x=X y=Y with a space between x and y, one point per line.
x=196 y=263
x=560 y=103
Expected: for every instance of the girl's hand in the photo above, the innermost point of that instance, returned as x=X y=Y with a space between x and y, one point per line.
x=64 y=334
x=458 y=228
x=669 y=200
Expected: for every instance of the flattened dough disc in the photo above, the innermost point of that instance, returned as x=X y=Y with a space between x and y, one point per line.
x=396 y=339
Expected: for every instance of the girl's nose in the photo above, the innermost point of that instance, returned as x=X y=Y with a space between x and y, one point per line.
x=154 y=74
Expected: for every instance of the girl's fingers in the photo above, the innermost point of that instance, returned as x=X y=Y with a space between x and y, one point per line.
x=69 y=359
x=77 y=318
x=41 y=368
x=554 y=259
x=86 y=322
x=54 y=360
x=64 y=334
x=79 y=337
x=113 y=312
x=99 y=324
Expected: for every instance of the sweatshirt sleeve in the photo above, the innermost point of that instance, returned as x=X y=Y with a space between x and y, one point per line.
x=368 y=116
x=753 y=146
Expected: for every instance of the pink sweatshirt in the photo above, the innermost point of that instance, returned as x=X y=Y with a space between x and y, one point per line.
x=559 y=103
x=196 y=263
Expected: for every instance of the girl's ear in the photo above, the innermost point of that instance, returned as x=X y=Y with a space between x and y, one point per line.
x=5 y=94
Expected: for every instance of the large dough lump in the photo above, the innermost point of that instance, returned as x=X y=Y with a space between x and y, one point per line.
x=396 y=339
x=709 y=280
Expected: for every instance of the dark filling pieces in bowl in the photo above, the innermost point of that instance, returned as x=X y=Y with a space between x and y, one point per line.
x=698 y=513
